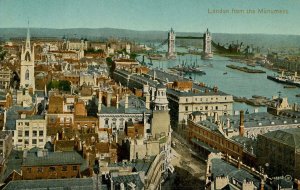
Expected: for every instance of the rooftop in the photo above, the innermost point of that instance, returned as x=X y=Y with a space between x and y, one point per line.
x=52 y=158
x=59 y=184
x=290 y=137
x=135 y=106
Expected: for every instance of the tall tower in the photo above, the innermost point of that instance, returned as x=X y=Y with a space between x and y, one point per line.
x=27 y=65
x=207 y=53
x=171 y=44
x=161 y=101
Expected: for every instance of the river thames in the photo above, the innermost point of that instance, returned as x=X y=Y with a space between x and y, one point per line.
x=231 y=81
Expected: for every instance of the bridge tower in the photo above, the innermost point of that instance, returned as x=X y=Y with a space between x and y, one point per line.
x=171 y=45
x=207 y=52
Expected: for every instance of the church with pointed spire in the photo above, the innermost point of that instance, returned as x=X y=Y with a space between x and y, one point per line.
x=27 y=80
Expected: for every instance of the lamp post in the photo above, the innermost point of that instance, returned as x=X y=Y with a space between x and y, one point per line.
x=96 y=169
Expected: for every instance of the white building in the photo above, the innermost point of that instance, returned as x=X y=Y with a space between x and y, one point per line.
x=30 y=132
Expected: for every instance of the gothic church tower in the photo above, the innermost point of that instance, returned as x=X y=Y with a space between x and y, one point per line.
x=27 y=66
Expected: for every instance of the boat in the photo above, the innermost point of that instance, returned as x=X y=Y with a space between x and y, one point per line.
x=188 y=69
x=245 y=69
x=289 y=80
x=287 y=86
x=225 y=73
x=297 y=95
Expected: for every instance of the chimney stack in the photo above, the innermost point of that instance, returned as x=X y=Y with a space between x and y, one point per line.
x=298 y=184
x=126 y=101
x=241 y=127
x=108 y=99
x=239 y=163
x=216 y=117
x=99 y=101
x=262 y=184
x=147 y=101
x=117 y=102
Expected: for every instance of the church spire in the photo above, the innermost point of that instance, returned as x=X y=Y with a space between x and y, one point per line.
x=28 y=38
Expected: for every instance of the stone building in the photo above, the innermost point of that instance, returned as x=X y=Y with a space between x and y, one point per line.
x=41 y=164
x=27 y=66
x=30 y=132
x=278 y=152
x=6 y=76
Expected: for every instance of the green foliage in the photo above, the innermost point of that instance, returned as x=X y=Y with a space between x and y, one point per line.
x=63 y=85
x=92 y=50
x=133 y=55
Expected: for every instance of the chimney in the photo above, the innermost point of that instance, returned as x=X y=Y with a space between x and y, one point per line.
x=298 y=184
x=241 y=127
x=147 y=101
x=216 y=117
x=126 y=101
x=117 y=102
x=239 y=163
x=228 y=123
x=99 y=101
x=108 y=99
x=262 y=184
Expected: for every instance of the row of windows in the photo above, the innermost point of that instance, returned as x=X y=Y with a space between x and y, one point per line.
x=52 y=169
x=33 y=141
x=34 y=133
x=205 y=99
x=205 y=108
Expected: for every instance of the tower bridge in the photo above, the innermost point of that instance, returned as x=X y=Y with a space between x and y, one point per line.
x=207 y=42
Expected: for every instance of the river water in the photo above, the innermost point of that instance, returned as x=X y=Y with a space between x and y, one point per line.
x=235 y=82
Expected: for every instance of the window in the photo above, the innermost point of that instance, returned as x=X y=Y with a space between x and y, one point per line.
x=27 y=75
x=41 y=140
x=206 y=107
x=106 y=121
x=74 y=168
x=186 y=99
x=27 y=123
x=40 y=170
x=34 y=133
x=64 y=168
x=26 y=133
x=41 y=133
x=51 y=169
x=28 y=170
x=33 y=141
x=216 y=107
x=20 y=133
x=20 y=140
x=186 y=108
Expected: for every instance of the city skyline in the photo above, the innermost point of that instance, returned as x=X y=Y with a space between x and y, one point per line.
x=183 y=16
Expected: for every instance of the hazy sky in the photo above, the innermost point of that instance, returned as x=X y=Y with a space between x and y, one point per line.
x=182 y=15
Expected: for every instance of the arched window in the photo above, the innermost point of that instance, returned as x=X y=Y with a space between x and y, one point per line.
x=27 y=75
x=27 y=56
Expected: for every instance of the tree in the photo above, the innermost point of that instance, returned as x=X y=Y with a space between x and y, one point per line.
x=63 y=85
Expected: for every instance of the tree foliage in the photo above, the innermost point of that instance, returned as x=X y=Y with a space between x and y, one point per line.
x=63 y=85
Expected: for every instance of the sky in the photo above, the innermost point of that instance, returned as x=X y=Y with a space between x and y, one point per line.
x=182 y=15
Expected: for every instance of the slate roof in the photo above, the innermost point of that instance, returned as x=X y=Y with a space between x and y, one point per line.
x=222 y=168
x=256 y=120
x=125 y=179
x=54 y=184
x=53 y=158
x=135 y=106
x=139 y=165
x=290 y=137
